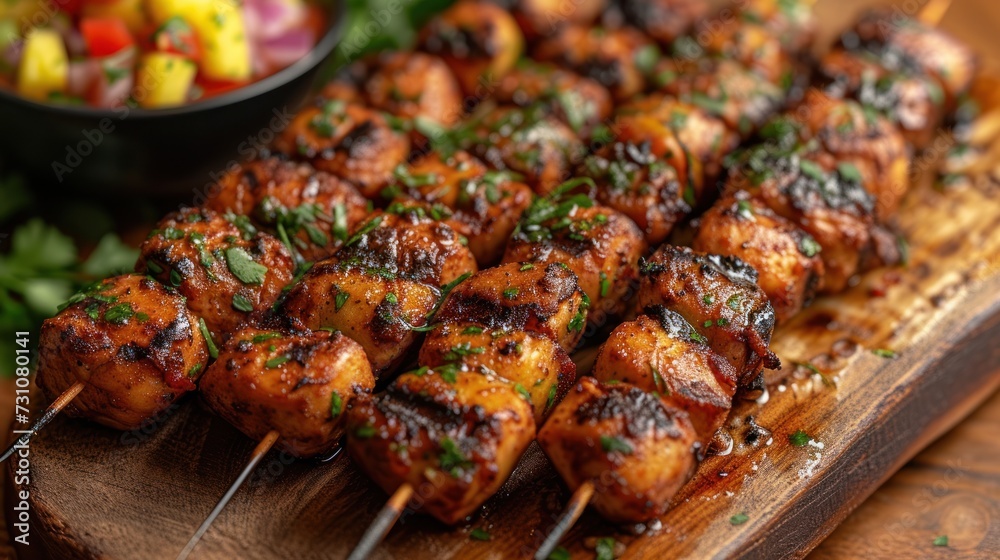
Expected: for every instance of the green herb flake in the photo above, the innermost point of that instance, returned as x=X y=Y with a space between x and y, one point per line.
x=119 y=314
x=885 y=353
x=605 y=285
x=941 y=540
x=243 y=267
x=605 y=549
x=478 y=534
x=526 y=267
x=511 y=293
x=195 y=370
x=242 y=303
x=560 y=553
x=213 y=350
x=809 y=247
x=364 y=432
x=799 y=439
x=451 y=459
x=341 y=299
x=739 y=518
x=472 y=330
x=277 y=361
x=336 y=405
x=523 y=391
x=613 y=444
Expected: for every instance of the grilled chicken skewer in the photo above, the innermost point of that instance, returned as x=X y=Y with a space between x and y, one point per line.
x=634 y=356
x=496 y=363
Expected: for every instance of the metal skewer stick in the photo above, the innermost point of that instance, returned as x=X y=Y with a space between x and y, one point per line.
x=54 y=409
x=383 y=523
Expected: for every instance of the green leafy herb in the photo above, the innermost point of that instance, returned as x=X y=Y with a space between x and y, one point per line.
x=452 y=460
x=277 y=361
x=808 y=246
x=605 y=285
x=799 y=439
x=119 y=314
x=884 y=353
x=365 y=230
x=243 y=267
x=560 y=553
x=739 y=518
x=526 y=266
x=365 y=432
x=336 y=405
x=605 y=549
x=213 y=350
x=241 y=303
x=511 y=293
x=613 y=444
x=525 y=394
x=479 y=535
x=472 y=330
x=341 y=299
x=257 y=339
x=941 y=540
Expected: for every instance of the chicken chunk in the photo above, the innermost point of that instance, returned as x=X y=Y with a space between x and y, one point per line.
x=314 y=210
x=299 y=384
x=478 y=40
x=540 y=370
x=542 y=18
x=634 y=448
x=540 y=299
x=856 y=136
x=226 y=270
x=664 y=20
x=407 y=245
x=617 y=59
x=133 y=343
x=528 y=142
x=786 y=259
x=412 y=85
x=600 y=245
x=645 y=173
x=378 y=312
x=724 y=88
x=662 y=353
x=483 y=206
x=582 y=103
x=350 y=141
x=455 y=438
x=791 y=21
x=719 y=296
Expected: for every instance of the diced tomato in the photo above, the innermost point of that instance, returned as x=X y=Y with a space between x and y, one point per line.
x=211 y=88
x=176 y=36
x=316 y=20
x=105 y=36
x=70 y=6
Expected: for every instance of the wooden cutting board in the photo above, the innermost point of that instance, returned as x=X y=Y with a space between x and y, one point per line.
x=97 y=493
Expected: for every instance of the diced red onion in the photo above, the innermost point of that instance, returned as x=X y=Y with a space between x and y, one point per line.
x=269 y=19
x=288 y=48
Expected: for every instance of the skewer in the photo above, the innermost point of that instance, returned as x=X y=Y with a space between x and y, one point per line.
x=574 y=509
x=383 y=523
x=933 y=12
x=50 y=413
x=258 y=453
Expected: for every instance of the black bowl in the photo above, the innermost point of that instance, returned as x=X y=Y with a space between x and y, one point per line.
x=169 y=152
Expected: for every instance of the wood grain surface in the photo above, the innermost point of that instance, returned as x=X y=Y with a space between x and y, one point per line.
x=97 y=493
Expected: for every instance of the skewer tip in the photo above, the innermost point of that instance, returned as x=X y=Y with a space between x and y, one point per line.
x=51 y=412
x=574 y=509
x=383 y=523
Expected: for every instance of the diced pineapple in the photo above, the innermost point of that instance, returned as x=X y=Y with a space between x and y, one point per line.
x=222 y=31
x=44 y=68
x=164 y=80
x=132 y=12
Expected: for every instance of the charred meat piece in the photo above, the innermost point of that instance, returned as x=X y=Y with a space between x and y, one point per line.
x=633 y=447
x=543 y=18
x=226 y=270
x=412 y=85
x=618 y=59
x=478 y=40
x=787 y=260
x=313 y=210
x=456 y=434
x=720 y=298
x=600 y=245
x=299 y=384
x=662 y=354
x=407 y=245
x=663 y=20
x=645 y=173
x=377 y=311
x=540 y=299
x=132 y=341
x=582 y=103
x=481 y=205
x=538 y=368
x=350 y=141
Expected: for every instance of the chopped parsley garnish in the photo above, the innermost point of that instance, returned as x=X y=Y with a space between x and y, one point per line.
x=339 y=226
x=799 y=439
x=340 y=299
x=479 y=535
x=473 y=330
x=739 y=518
x=257 y=339
x=744 y=210
x=336 y=405
x=119 y=314
x=365 y=230
x=213 y=350
x=276 y=361
x=526 y=266
x=613 y=444
x=696 y=336
x=241 y=303
x=884 y=353
x=605 y=549
x=451 y=459
x=195 y=370
x=365 y=432
x=243 y=267
x=941 y=540
x=523 y=391
x=511 y=293
x=605 y=284
x=560 y=553
x=809 y=246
